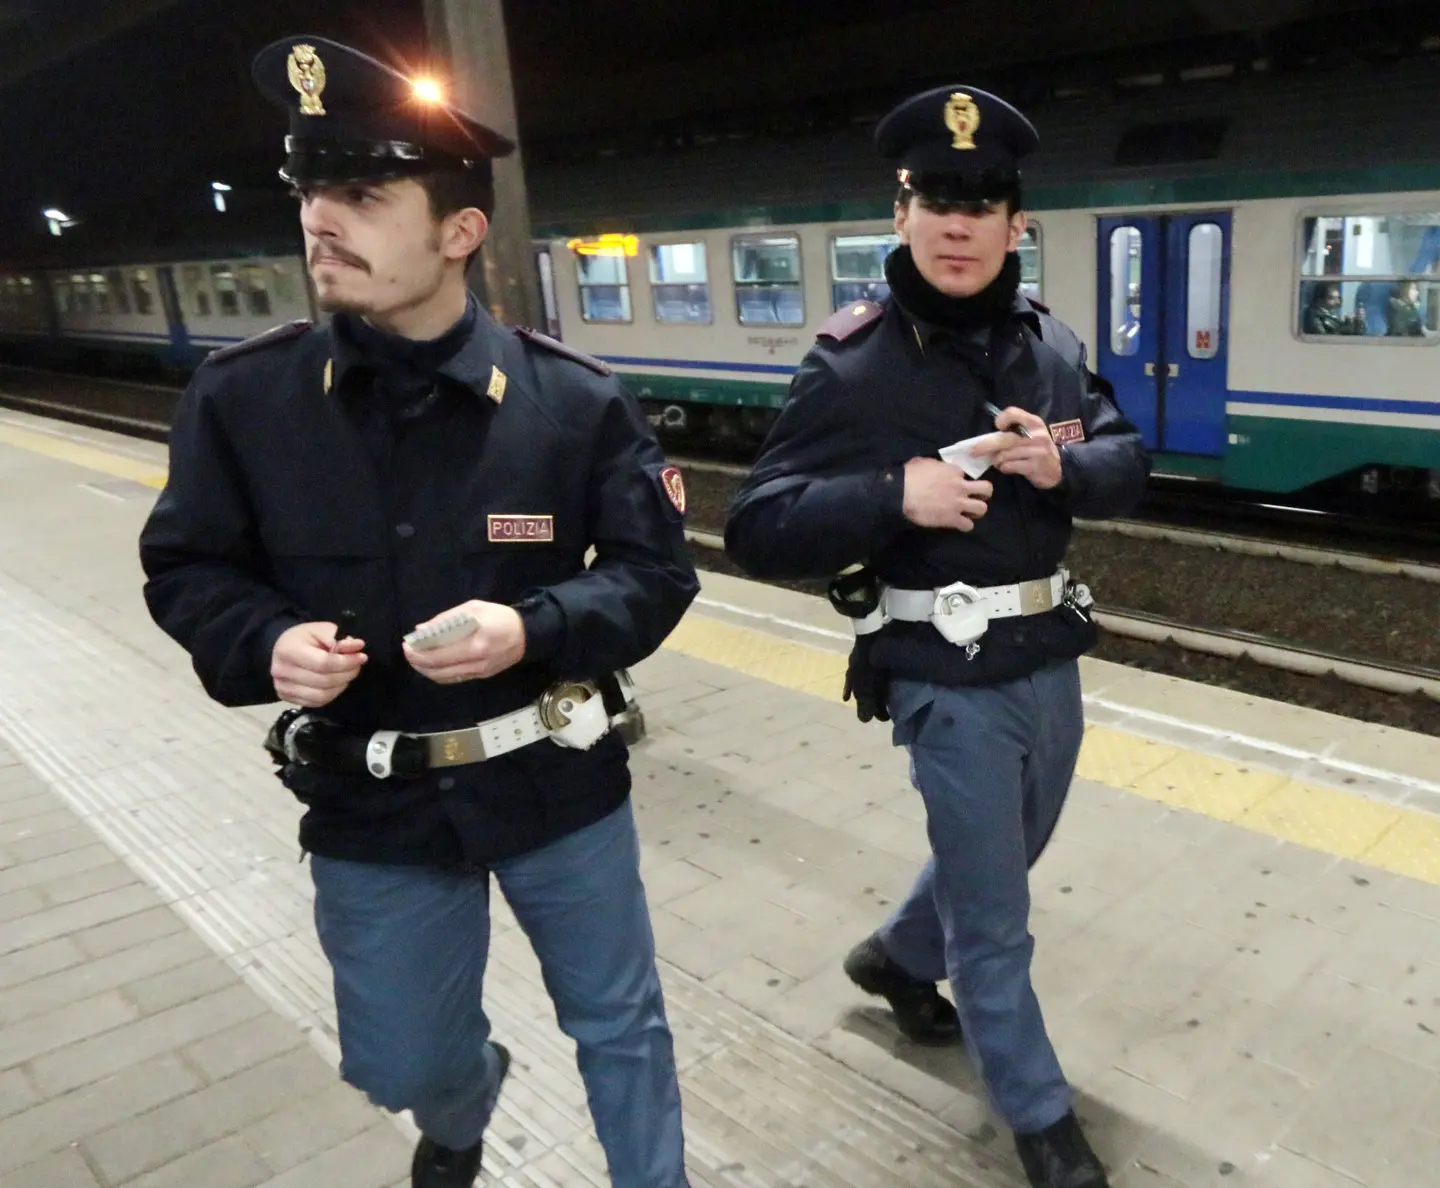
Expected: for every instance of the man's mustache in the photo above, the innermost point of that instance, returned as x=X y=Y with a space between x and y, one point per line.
x=337 y=253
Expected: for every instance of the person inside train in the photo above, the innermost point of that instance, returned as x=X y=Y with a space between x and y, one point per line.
x=1403 y=318
x=1323 y=316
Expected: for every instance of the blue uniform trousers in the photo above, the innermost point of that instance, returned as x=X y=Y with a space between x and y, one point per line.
x=408 y=946
x=994 y=765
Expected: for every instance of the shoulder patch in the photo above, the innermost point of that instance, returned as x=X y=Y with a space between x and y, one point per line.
x=848 y=319
x=272 y=337
x=546 y=343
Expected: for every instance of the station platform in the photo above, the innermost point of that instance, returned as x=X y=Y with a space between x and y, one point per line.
x=1238 y=923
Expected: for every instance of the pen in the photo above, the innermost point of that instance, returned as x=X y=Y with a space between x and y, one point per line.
x=343 y=627
x=995 y=412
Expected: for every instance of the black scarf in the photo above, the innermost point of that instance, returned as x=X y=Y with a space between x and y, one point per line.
x=922 y=300
x=405 y=368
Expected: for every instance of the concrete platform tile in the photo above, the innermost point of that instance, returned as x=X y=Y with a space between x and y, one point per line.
x=374 y=1158
x=228 y=1163
x=1352 y=1118
x=1403 y=752
x=64 y=1169
x=152 y=1139
x=309 y=1127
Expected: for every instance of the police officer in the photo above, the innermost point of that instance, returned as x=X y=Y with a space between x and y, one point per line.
x=967 y=627
x=385 y=523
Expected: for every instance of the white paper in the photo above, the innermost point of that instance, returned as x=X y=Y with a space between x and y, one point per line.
x=962 y=454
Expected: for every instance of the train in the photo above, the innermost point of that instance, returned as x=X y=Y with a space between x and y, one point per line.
x=1252 y=261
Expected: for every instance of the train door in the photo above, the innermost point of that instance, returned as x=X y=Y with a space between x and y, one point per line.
x=180 y=349
x=1164 y=305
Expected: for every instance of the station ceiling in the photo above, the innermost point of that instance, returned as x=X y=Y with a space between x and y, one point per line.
x=132 y=101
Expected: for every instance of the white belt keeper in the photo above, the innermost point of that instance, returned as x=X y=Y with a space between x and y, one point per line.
x=571 y=715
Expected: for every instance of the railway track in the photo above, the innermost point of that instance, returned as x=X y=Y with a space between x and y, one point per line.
x=1400 y=679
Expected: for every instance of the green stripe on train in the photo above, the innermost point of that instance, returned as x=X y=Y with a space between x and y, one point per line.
x=686 y=389
x=1283 y=454
x=1214 y=190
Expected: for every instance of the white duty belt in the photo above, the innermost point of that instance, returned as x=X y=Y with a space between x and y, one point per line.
x=571 y=714
x=961 y=613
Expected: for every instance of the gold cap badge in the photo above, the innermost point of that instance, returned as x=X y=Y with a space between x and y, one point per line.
x=496 y=390
x=329 y=376
x=307 y=75
x=962 y=117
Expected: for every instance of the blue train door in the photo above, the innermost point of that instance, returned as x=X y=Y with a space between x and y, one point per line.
x=181 y=353
x=1164 y=297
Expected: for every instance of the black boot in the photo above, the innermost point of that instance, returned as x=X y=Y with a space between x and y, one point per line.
x=920 y=1012
x=1060 y=1157
x=435 y=1166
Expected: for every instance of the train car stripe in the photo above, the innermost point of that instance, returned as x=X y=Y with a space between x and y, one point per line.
x=1422 y=408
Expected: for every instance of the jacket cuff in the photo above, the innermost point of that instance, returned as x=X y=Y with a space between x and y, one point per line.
x=265 y=643
x=544 y=624
x=888 y=499
x=1072 y=480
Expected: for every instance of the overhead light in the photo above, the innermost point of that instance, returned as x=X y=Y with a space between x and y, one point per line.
x=428 y=90
x=220 y=187
x=57 y=219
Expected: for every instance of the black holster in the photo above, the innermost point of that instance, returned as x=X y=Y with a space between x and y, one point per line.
x=298 y=736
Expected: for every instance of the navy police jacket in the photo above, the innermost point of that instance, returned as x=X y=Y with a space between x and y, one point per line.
x=292 y=497
x=880 y=387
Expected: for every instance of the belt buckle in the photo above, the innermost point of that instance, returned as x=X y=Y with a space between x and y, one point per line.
x=1035 y=597
x=552 y=706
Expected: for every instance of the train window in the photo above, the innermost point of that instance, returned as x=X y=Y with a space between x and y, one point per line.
x=197 y=293
x=141 y=293
x=257 y=295
x=1202 y=293
x=1125 y=244
x=1369 y=276
x=767 y=280
x=227 y=289
x=99 y=293
x=1031 y=273
x=61 y=289
x=604 y=285
x=282 y=284
x=680 y=284
x=80 y=292
x=857 y=267
x=118 y=293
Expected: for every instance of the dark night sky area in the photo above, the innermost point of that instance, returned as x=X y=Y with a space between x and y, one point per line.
x=128 y=132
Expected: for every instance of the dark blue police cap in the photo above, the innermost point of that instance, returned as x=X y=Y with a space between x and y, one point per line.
x=956 y=143
x=353 y=118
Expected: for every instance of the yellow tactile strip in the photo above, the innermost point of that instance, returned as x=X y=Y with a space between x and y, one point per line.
x=83 y=455
x=1396 y=839
x=1324 y=819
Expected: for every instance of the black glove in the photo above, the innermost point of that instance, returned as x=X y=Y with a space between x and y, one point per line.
x=868 y=685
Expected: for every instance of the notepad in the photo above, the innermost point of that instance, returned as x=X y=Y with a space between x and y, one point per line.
x=962 y=454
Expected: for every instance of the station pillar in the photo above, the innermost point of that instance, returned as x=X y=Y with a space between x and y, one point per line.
x=470 y=36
